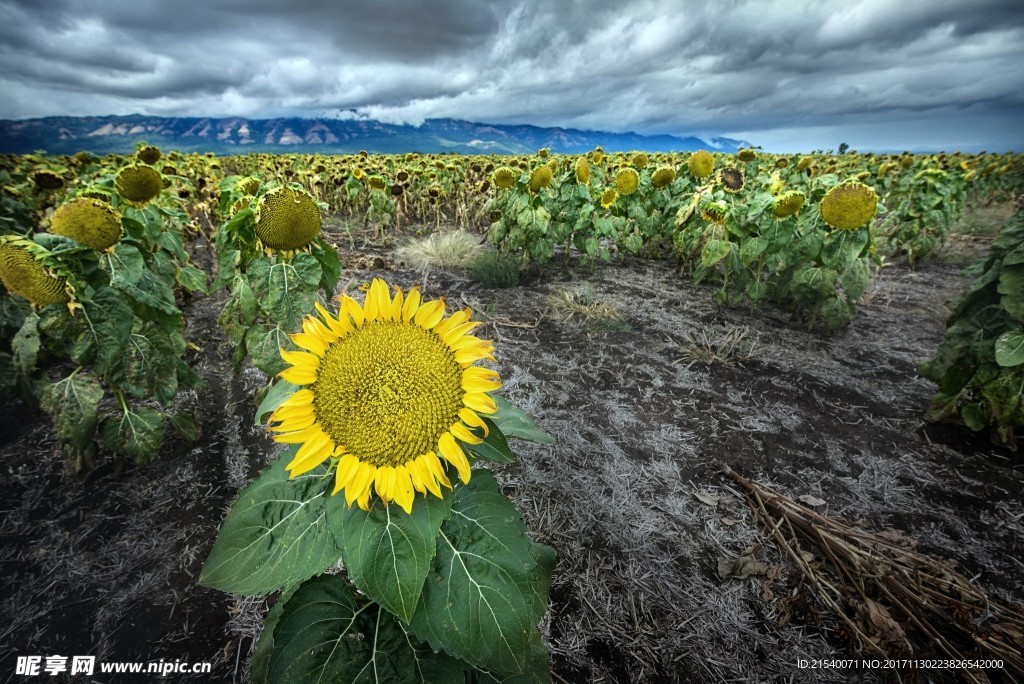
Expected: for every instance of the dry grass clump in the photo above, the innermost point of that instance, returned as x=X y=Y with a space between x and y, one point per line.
x=450 y=249
x=729 y=346
x=582 y=306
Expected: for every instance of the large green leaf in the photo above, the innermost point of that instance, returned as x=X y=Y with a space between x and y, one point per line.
x=387 y=551
x=714 y=251
x=274 y=535
x=264 y=345
x=855 y=280
x=514 y=423
x=146 y=368
x=191 y=278
x=842 y=247
x=137 y=434
x=286 y=290
x=326 y=633
x=479 y=601
x=259 y=666
x=72 y=404
x=108 y=320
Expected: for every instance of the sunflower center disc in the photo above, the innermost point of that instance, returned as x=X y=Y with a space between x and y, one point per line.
x=388 y=392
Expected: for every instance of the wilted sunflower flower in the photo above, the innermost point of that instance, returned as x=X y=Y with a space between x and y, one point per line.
x=849 y=206
x=24 y=272
x=540 y=178
x=732 y=179
x=89 y=221
x=47 y=180
x=714 y=212
x=248 y=186
x=788 y=204
x=598 y=155
x=543 y=152
x=150 y=154
x=287 y=219
x=701 y=164
x=583 y=171
x=504 y=178
x=608 y=197
x=627 y=180
x=388 y=390
x=640 y=160
x=746 y=155
x=804 y=163
x=376 y=182
x=138 y=184
x=663 y=176
x=781 y=163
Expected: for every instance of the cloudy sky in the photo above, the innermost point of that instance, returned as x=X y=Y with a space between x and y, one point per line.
x=789 y=75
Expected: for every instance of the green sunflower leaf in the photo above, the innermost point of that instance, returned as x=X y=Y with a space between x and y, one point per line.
x=125 y=264
x=259 y=666
x=326 y=633
x=514 y=423
x=274 y=535
x=387 y=551
x=25 y=345
x=72 y=404
x=137 y=434
x=480 y=601
x=264 y=345
x=493 y=448
x=1010 y=348
x=191 y=278
x=107 y=321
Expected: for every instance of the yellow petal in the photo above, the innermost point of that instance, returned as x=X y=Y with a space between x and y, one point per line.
x=351 y=308
x=430 y=314
x=470 y=356
x=396 y=306
x=298 y=437
x=463 y=434
x=298 y=376
x=310 y=343
x=377 y=300
x=364 y=499
x=481 y=373
x=403 y=492
x=458 y=332
x=479 y=402
x=339 y=327
x=434 y=467
x=427 y=478
x=456 y=319
x=360 y=483
x=347 y=467
x=384 y=481
x=476 y=385
x=313 y=327
x=411 y=305
x=292 y=424
x=416 y=475
x=469 y=341
x=303 y=360
x=470 y=418
x=302 y=397
x=311 y=454
x=454 y=454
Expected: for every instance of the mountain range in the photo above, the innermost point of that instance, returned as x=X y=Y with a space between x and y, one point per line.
x=236 y=135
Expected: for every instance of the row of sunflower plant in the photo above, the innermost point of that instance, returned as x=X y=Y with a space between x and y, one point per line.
x=96 y=335
x=388 y=418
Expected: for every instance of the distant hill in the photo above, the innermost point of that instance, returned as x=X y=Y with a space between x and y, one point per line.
x=235 y=135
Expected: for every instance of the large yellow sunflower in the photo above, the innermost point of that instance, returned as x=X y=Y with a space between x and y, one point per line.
x=388 y=390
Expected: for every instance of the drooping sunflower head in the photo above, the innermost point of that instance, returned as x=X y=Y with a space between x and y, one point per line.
x=240 y=204
x=788 y=204
x=88 y=221
x=849 y=206
x=138 y=184
x=714 y=211
x=627 y=180
x=746 y=155
x=543 y=152
x=149 y=154
x=582 y=171
x=732 y=179
x=48 y=180
x=598 y=155
x=249 y=186
x=781 y=163
x=24 y=271
x=608 y=197
x=287 y=219
x=540 y=178
x=804 y=163
x=663 y=176
x=504 y=178
x=376 y=182
x=702 y=163
x=640 y=160
x=389 y=390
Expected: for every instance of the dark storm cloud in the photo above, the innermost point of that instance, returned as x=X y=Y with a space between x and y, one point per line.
x=872 y=71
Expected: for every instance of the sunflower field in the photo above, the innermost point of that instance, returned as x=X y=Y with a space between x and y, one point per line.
x=410 y=507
